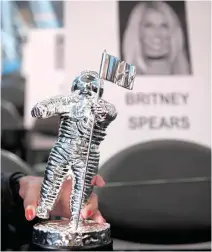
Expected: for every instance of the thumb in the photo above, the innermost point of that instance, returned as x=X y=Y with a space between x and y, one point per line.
x=30 y=203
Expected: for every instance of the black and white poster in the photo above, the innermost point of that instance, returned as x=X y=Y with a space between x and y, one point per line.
x=171 y=94
x=154 y=37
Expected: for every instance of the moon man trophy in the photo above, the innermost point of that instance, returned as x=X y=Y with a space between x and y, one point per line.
x=84 y=117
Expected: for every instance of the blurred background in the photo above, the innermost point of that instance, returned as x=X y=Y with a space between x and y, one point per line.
x=156 y=158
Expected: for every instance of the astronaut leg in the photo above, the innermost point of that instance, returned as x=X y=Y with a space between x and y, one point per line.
x=81 y=188
x=53 y=181
x=78 y=170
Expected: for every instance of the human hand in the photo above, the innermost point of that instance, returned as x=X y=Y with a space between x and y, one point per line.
x=30 y=192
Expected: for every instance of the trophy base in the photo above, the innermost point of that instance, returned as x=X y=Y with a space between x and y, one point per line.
x=58 y=235
x=104 y=247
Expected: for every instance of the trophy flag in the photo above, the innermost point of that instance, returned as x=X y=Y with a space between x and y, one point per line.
x=119 y=72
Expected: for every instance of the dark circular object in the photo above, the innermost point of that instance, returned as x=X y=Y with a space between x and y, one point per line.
x=162 y=186
x=11 y=163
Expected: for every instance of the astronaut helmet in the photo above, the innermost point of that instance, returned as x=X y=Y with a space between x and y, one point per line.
x=88 y=82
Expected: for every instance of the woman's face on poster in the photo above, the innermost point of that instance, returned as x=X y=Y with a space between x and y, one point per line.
x=155 y=34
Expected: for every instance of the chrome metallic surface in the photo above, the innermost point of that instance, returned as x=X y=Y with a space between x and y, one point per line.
x=84 y=118
x=117 y=71
x=68 y=156
x=61 y=234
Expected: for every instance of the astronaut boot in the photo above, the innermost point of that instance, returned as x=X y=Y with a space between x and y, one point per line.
x=42 y=212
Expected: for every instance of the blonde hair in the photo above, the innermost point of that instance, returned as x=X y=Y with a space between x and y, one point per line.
x=132 y=48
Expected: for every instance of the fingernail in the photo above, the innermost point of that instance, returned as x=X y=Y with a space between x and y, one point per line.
x=89 y=213
x=29 y=213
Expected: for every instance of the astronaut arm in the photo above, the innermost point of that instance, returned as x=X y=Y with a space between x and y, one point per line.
x=111 y=112
x=51 y=107
x=104 y=111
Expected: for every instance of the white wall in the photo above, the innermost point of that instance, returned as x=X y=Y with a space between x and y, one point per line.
x=43 y=79
x=93 y=26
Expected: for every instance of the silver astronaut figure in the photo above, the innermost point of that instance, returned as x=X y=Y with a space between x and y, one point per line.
x=67 y=159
